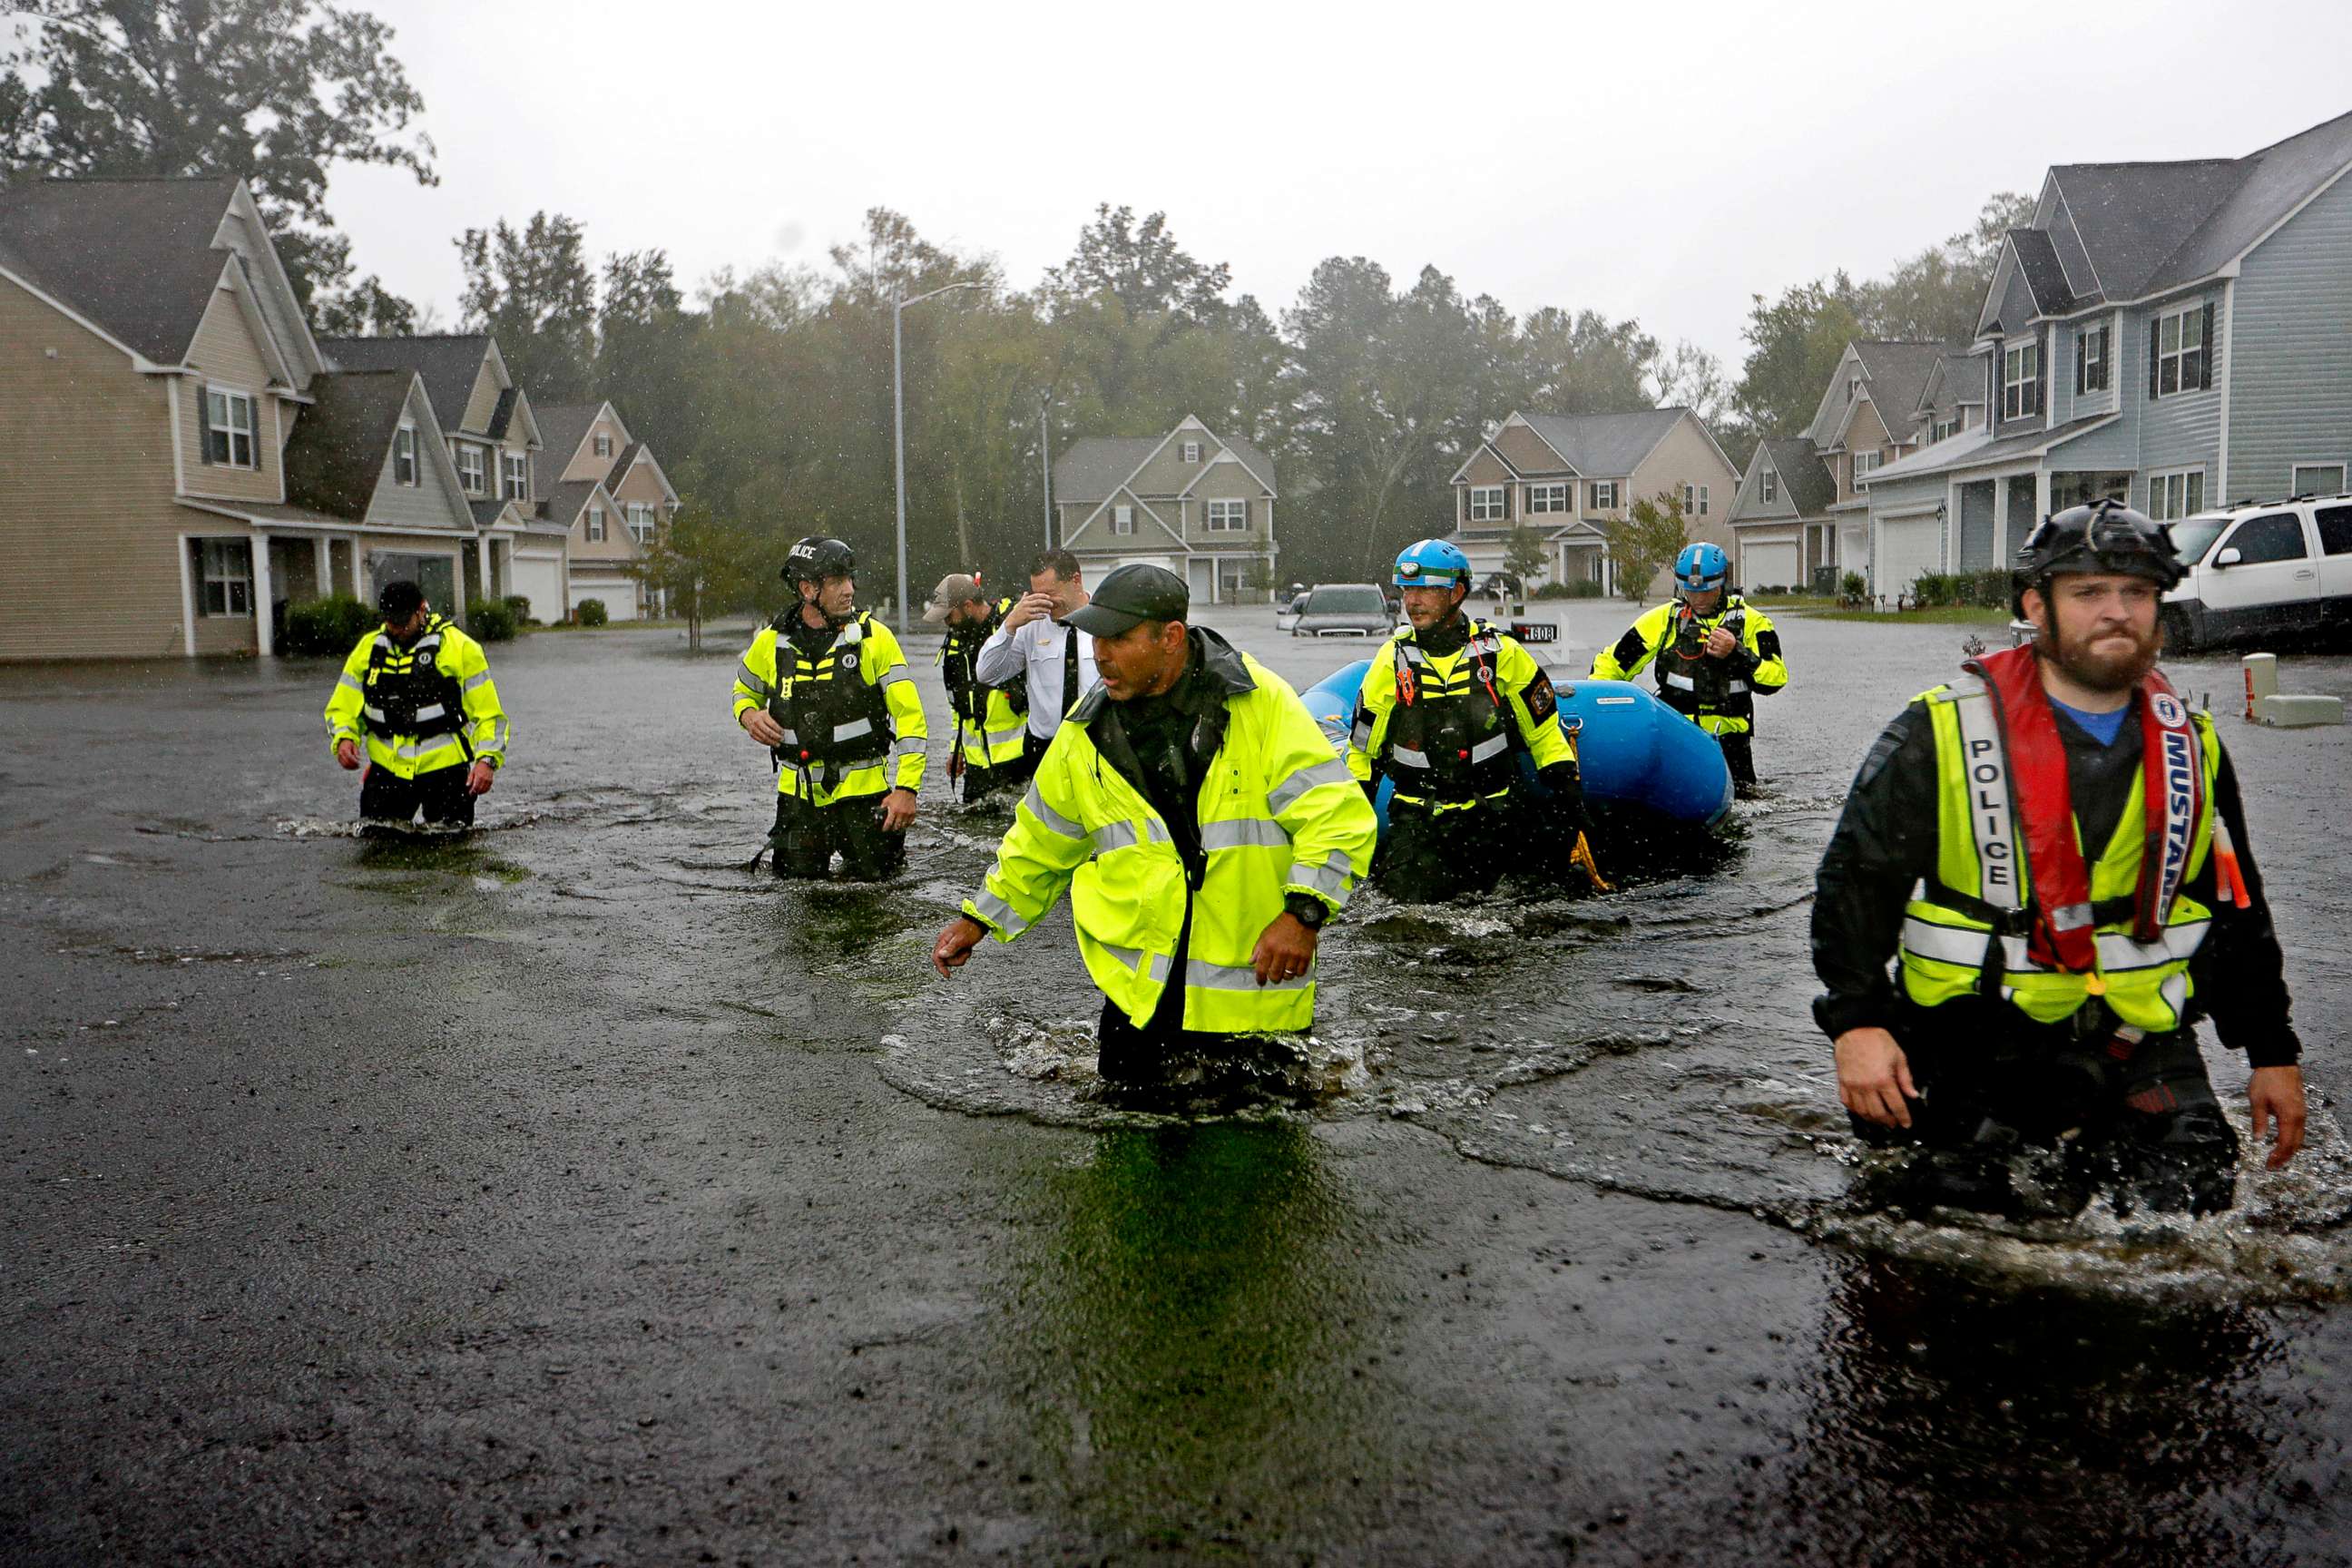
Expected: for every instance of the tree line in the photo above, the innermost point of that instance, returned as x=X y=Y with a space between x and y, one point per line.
x=768 y=393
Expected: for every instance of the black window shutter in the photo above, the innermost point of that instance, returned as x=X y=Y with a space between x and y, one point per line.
x=2081 y=346
x=2151 y=358
x=2205 y=368
x=2041 y=370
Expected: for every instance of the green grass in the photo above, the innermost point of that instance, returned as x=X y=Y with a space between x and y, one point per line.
x=1946 y=615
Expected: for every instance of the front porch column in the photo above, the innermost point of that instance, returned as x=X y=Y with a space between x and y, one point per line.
x=2000 y=519
x=2041 y=478
x=264 y=639
x=323 y=566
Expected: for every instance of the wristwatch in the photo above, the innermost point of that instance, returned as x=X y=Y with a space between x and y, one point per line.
x=1307 y=909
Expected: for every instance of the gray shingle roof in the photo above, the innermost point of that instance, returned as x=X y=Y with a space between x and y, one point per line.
x=502 y=413
x=1258 y=462
x=562 y=502
x=1605 y=446
x=620 y=469
x=561 y=427
x=1094 y=465
x=1898 y=373
x=2037 y=258
x=449 y=365
x=336 y=455
x=133 y=256
x=1805 y=479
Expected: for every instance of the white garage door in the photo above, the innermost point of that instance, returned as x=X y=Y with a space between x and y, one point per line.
x=541 y=581
x=1769 y=566
x=619 y=594
x=1907 y=547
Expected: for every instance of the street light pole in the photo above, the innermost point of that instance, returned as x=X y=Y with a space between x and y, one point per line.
x=898 y=421
x=1046 y=464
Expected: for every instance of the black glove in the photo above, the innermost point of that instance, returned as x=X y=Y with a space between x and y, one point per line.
x=1566 y=787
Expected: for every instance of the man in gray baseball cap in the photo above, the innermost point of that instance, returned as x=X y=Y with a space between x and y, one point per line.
x=991 y=717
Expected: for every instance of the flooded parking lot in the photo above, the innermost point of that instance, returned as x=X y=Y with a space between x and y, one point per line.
x=572 y=1193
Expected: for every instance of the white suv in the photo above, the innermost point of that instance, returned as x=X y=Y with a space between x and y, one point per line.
x=2281 y=567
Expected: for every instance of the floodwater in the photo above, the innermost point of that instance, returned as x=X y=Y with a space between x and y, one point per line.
x=569 y=1192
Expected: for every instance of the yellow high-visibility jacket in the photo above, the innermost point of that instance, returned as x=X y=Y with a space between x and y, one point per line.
x=853 y=720
x=1458 y=751
x=419 y=709
x=1278 y=814
x=1717 y=694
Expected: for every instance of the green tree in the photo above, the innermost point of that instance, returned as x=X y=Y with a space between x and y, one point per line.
x=1583 y=362
x=1523 y=554
x=276 y=92
x=366 y=309
x=1794 y=344
x=704 y=565
x=532 y=289
x=1646 y=538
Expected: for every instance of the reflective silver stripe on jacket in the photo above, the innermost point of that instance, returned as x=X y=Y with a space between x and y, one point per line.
x=1051 y=820
x=792 y=738
x=418 y=751
x=434 y=711
x=996 y=913
x=1408 y=756
x=1735 y=686
x=1332 y=879
x=1280 y=798
x=501 y=731
x=752 y=683
x=2000 y=871
x=893 y=675
x=1680 y=682
x=1152 y=966
x=475 y=682
x=1113 y=836
x=1491 y=747
x=1238 y=977
x=911 y=746
x=1244 y=832
x=2118 y=951
x=1954 y=944
x=855 y=728
x=1362 y=735
x=354 y=681
x=374 y=713
x=999 y=736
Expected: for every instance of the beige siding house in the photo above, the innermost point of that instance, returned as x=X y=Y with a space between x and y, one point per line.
x=609 y=492
x=1565 y=475
x=180 y=460
x=1190 y=500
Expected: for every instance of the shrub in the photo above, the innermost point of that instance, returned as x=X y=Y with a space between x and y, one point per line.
x=490 y=620
x=590 y=613
x=1852 y=586
x=1581 y=588
x=332 y=625
x=1942 y=590
x=520 y=605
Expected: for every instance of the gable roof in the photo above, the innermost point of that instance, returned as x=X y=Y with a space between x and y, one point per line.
x=564 y=502
x=447 y=362
x=2037 y=260
x=335 y=457
x=1605 y=446
x=134 y=256
x=1958 y=379
x=1897 y=372
x=1095 y=466
x=562 y=426
x=1805 y=479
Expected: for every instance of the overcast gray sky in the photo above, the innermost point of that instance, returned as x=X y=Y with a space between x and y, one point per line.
x=1659 y=159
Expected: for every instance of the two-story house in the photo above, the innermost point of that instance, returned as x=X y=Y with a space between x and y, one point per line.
x=607 y=489
x=1562 y=475
x=492 y=436
x=178 y=461
x=1197 y=504
x=1870 y=416
x=2179 y=334
x=1786 y=537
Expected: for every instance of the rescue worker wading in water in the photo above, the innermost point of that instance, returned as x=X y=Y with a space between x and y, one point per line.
x=992 y=730
x=1715 y=654
x=2053 y=851
x=415 y=705
x=1445 y=710
x=826 y=691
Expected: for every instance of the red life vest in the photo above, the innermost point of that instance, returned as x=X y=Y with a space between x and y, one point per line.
x=2172 y=783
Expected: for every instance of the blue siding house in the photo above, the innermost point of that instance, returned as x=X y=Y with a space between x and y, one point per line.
x=2178 y=335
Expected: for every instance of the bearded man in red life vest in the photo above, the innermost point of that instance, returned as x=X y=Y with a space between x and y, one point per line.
x=2051 y=853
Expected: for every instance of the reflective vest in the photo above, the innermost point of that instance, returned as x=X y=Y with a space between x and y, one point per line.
x=419 y=709
x=990 y=721
x=1443 y=726
x=1712 y=692
x=1972 y=931
x=853 y=724
x=1277 y=814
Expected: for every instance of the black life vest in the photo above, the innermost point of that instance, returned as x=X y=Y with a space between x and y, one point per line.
x=967 y=696
x=1450 y=738
x=407 y=692
x=1691 y=683
x=830 y=713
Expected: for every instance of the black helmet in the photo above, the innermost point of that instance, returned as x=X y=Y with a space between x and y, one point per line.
x=2105 y=536
x=815 y=558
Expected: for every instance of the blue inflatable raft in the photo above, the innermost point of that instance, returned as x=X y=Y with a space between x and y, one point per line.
x=1632 y=750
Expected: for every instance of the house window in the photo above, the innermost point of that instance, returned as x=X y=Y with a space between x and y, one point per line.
x=2318 y=480
x=2093 y=369
x=1122 y=520
x=1225 y=516
x=1702 y=501
x=641 y=522
x=225 y=577
x=1767 y=486
x=1942 y=431
x=595 y=525
x=517 y=467
x=228 y=428
x=470 y=468
x=2181 y=350
x=1864 y=465
x=1545 y=499
x=2175 y=495
x=603 y=444
x=2020 y=381
x=1852 y=387
x=403 y=455
x=1603 y=494
x=1192 y=452
x=1485 y=503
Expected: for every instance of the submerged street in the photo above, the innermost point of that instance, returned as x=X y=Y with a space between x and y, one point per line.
x=572 y=1193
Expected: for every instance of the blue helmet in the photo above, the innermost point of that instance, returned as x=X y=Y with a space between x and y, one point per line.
x=1701 y=566
x=1432 y=563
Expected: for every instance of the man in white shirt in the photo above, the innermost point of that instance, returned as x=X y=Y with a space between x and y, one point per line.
x=1034 y=642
